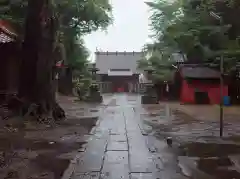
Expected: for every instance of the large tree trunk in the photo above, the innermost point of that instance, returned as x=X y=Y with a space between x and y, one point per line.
x=65 y=82
x=37 y=72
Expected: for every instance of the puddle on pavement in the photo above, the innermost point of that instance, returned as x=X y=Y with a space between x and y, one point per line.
x=169 y=115
x=203 y=160
x=169 y=121
x=233 y=138
x=179 y=115
x=84 y=121
x=214 y=159
x=198 y=149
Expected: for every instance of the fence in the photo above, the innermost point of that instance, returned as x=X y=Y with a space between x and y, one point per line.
x=105 y=87
x=137 y=88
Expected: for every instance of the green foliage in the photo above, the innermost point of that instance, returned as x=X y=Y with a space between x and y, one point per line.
x=187 y=27
x=14 y=11
x=77 y=54
x=82 y=86
x=76 y=19
x=160 y=63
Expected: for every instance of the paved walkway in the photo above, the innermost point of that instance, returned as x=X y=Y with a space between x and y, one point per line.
x=119 y=150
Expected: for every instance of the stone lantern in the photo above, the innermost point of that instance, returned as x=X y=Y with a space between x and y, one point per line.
x=149 y=73
x=94 y=93
x=94 y=71
x=149 y=96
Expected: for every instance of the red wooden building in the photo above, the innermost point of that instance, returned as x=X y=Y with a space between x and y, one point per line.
x=200 y=85
x=9 y=55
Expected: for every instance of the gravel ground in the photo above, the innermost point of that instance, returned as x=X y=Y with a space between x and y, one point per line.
x=30 y=150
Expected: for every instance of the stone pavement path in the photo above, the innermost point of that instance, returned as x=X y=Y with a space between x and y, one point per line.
x=119 y=150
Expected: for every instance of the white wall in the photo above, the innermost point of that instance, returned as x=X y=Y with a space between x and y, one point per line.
x=121 y=60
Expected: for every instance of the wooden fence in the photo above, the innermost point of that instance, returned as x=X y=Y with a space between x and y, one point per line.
x=137 y=88
x=107 y=87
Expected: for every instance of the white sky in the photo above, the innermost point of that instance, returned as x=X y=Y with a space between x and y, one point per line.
x=129 y=31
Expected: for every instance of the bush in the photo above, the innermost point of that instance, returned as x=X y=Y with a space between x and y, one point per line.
x=82 y=87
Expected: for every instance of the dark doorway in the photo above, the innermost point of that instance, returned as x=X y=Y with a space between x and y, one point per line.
x=201 y=97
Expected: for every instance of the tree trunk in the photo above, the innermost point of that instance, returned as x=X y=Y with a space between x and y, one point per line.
x=37 y=70
x=65 y=82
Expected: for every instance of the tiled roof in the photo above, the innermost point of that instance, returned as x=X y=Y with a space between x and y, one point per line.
x=4 y=38
x=199 y=72
x=7 y=34
x=118 y=60
x=7 y=28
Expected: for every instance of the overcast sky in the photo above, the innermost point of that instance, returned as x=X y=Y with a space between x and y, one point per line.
x=129 y=32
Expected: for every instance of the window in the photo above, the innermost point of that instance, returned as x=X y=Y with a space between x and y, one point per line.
x=120 y=70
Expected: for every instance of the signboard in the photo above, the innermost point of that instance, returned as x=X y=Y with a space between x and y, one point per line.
x=119 y=73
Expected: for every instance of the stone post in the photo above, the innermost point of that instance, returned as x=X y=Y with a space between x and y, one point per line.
x=149 y=96
x=94 y=93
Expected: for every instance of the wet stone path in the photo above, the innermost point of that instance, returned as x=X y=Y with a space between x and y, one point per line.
x=118 y=149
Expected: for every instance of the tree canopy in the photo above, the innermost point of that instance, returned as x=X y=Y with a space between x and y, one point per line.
x=160 y=64
x=76 y=18
x=187 y=27
x=51 y=31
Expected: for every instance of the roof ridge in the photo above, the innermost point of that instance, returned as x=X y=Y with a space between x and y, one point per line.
x=7 y=28
x=118 y=52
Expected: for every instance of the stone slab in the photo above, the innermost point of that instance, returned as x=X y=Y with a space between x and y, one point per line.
x=141 y=160
x=142 y=176
x=118 y=138
x=92 y=175
x=115 y=165
x=92 y=159
x=117 y=146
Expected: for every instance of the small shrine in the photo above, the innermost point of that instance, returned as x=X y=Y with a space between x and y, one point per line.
x=10 y=61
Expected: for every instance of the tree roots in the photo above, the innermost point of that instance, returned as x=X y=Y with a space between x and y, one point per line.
x=41 y=112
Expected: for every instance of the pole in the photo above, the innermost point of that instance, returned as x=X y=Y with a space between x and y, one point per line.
x=221 y=96
x=221 y=78
x=221 y=89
